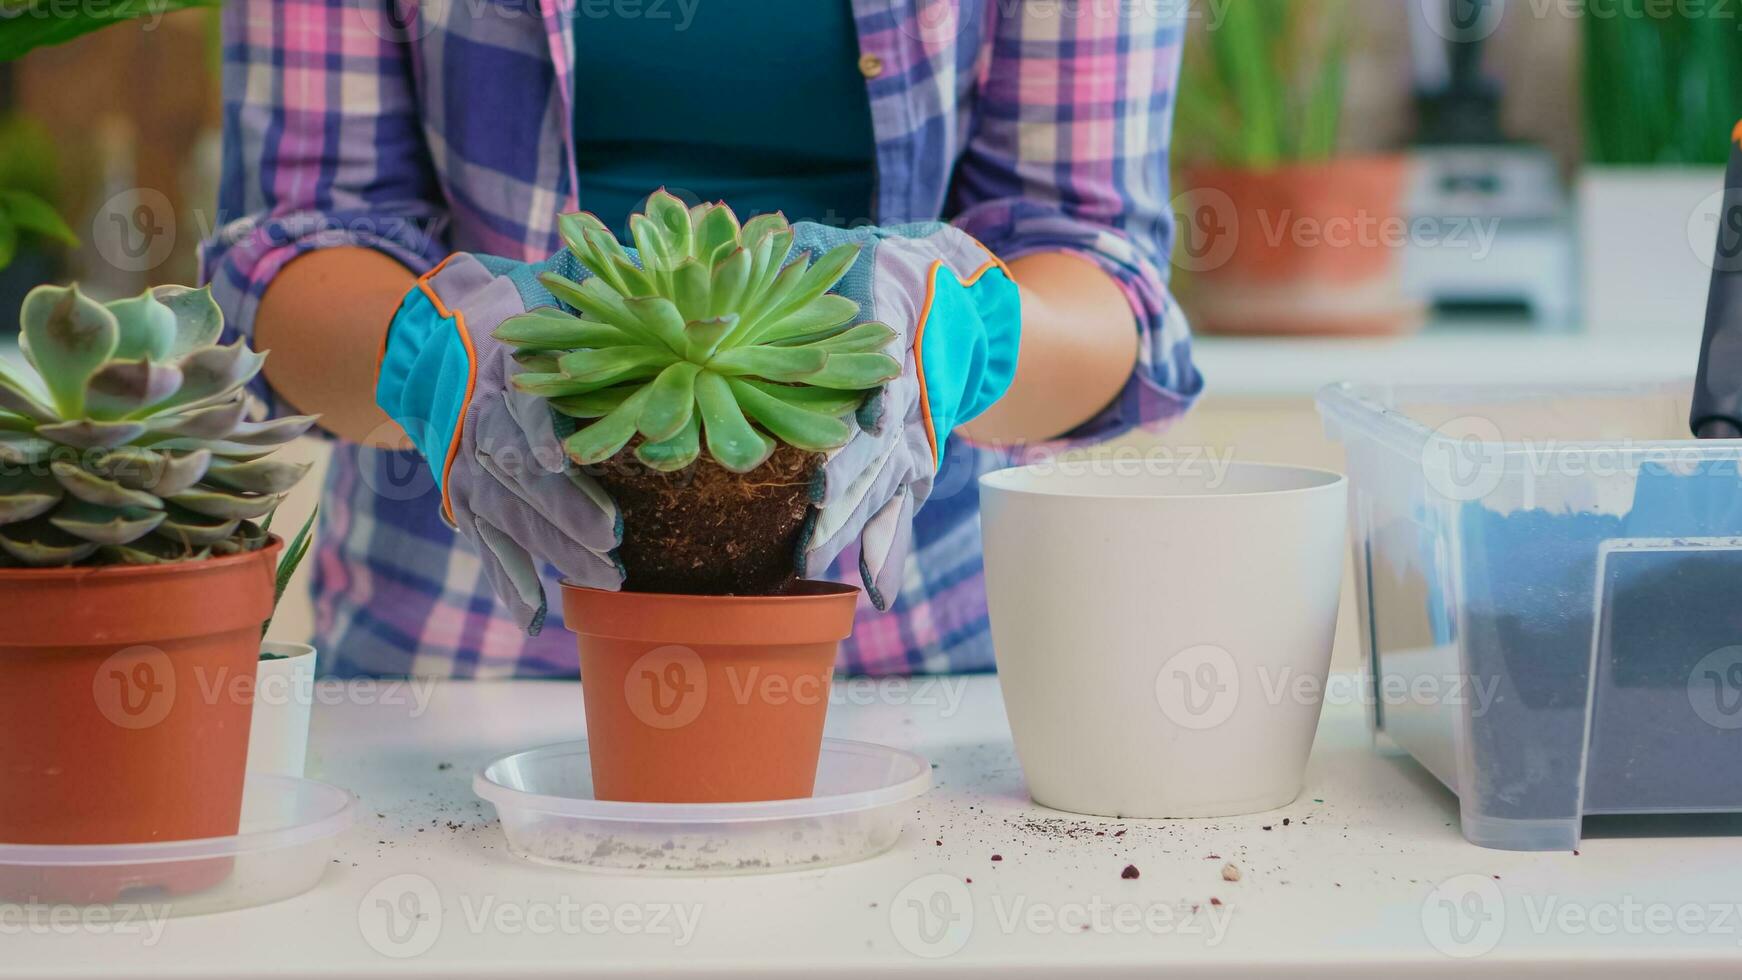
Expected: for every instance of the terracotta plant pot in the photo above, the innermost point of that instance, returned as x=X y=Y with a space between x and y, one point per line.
x=1300 y=249
x=125 y=695
x=707 y=699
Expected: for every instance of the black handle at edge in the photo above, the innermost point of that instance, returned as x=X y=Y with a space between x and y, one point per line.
x=1717 y=405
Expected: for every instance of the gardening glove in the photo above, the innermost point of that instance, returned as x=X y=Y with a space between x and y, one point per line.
x=958 y=316
x=506 y=485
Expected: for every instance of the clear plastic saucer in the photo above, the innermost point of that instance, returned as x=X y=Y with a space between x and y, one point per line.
x=545 y=799
x=288 y=831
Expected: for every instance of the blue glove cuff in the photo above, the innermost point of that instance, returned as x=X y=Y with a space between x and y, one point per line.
x=968 y=342
x=426 y=377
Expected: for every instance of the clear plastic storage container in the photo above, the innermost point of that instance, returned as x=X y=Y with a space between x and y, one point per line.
x=1550 y=589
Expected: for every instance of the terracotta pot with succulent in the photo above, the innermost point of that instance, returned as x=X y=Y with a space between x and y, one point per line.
x=1278 y=233
x=133 y=581
x=705 y=381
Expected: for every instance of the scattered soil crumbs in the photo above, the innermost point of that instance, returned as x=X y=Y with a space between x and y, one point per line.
x=1130 y=872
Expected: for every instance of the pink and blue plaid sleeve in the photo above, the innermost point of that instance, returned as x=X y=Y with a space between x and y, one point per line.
x=1070 y=154
x=323 y=147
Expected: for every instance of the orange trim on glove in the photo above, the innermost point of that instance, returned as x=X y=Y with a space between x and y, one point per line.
x=471 y=379
x=931 y=289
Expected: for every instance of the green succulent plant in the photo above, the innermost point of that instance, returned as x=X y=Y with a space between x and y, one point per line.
x=128 y=443
x=713 y=338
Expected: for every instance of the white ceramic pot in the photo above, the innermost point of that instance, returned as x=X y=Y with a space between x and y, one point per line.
x=283 y=700
x=1163 y=633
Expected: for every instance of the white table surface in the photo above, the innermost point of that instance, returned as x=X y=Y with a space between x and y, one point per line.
x=1347 y=888
x=1445 y=353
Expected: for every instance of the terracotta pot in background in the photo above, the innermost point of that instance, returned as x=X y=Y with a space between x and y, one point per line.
x=1300 y=249
x=125 y=695
x=707 y=699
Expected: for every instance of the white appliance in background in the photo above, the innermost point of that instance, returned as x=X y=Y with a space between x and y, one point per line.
x=1490 y=234
x=1646 y=237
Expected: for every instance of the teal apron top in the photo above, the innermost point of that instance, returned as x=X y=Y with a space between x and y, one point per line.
x=760 y=105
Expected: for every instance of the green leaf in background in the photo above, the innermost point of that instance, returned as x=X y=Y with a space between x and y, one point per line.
x=33 y=214
x=1263 y=83
x=8 y=240
x=26 y=25
x=1663 y=88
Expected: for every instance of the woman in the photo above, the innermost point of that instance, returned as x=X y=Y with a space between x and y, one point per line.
x=365 y=144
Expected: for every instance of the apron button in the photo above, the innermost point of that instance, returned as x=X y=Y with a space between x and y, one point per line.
x=870 y=66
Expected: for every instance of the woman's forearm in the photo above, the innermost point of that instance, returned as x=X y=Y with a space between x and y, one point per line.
x=1079 y=346
x=323 y=319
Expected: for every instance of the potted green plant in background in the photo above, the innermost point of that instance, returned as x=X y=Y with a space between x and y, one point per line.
x=1277 y=233
x=1662 y=92
x=704 y=381
x=133 y=577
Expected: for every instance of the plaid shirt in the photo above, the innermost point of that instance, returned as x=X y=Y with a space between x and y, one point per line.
x=1036 y=126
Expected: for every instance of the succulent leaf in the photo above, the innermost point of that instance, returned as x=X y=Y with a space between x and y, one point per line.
x=773 y=363
x=256 y=476
x=702 y=338
x=272 y=432
x=825 y=317
x=612 y=363
x=17 y=398
x=209 y=422
x=856 y=371
x=23 y=449
x=604 y=438
x=26 y=495
x=129 y=409
x=671 y=400
x=797 y=427
x=137 y=468
x=66 y=336
x=106 y=525
x=671 y=455
x=826 y=401
x=731 y=440
x=212 y=373
x=91 y=433
x=94 y=489
x=147 y=328
x=37 y=542
x=866 y=338
x=194 y=530
x=718 y=336
x=548 y=329
x=593 y=404
x=213 y=502
x=199 y=322
x=122 y=387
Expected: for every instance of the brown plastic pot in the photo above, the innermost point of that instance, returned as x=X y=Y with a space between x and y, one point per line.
x=125 y=698
x=1310 y=248
x=707 y=699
